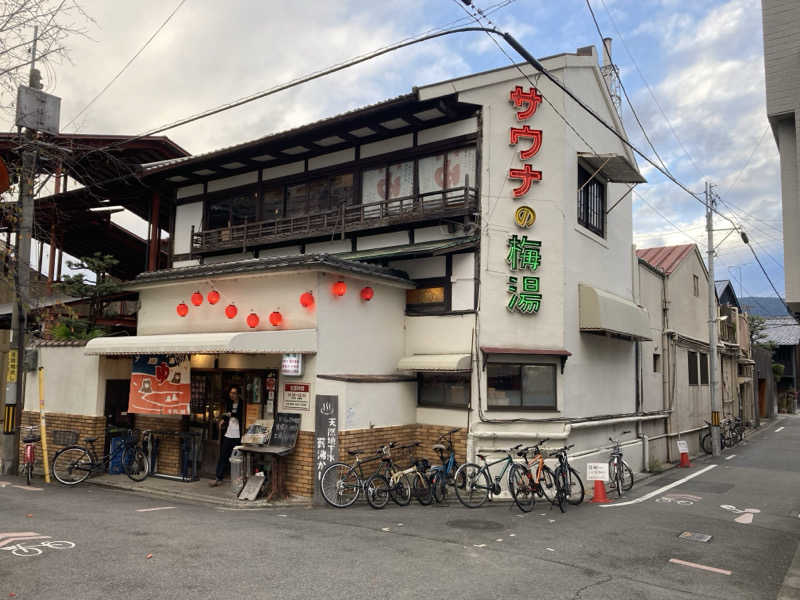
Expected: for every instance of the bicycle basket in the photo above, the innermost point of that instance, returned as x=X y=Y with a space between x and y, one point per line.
x=64 y=437
x=422 y=464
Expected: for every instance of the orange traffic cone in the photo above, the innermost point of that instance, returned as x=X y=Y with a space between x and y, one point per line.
x=600 y=492
x=685 y=460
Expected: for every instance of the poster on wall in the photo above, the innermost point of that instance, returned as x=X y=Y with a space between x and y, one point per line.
x=160 y=385
x=296 y=396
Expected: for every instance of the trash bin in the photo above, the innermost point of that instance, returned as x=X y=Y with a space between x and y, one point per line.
x=237 y=477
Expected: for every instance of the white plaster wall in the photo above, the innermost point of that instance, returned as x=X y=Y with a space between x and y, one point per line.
x=333 y=158
x=437 y=232
x=692 y=403
x=442 y=132
x=651 y=297
x=451 y=334
x=224 y=258
x=73 y=383
x=688 y=314
x=283 y=170
x=185 y=263
x=333 y=247
x=384 y=146
x=382 y=240
x=262 y=293
x=186 y=216
x=358 y=337
x=379 y=405
x=226 y=183
x=463 y=282
x=190 y=190
x=445 y=417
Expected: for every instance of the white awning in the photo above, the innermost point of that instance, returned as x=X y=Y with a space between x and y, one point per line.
x=614 y=167
x=235 y=342
x=435 y=362
x=606 y=313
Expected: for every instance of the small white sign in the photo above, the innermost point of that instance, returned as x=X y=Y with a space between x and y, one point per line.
x=597 y=471
x=297 y=396
x=683 y=447
x=292 y=365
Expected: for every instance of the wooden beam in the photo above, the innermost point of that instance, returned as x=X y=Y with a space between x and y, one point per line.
x=154 y=248
x=51 y=267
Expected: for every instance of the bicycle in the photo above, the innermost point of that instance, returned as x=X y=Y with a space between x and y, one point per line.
x=402 y=485
x=442 y=475
x=620 y=474
x=474 y=484
x=525 y=483
x=73 y=464
x=341 y=484
x=30 y=439
x=731 y=432
x=569 y=486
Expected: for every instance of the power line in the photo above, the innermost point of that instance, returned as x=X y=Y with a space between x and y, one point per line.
x=128 y=64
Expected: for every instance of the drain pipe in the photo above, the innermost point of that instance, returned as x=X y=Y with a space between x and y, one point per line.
x=472 y=436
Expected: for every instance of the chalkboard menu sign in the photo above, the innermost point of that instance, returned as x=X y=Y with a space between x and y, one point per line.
x=284 y=430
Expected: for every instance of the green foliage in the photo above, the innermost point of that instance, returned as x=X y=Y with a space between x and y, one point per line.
x=94 y=292
x=777 y=370
x=758 y=334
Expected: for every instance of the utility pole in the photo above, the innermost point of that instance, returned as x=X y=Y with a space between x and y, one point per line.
x=712 y=325
x=15 y=377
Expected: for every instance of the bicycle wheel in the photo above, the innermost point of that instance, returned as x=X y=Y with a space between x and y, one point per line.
x=575 y=491
x=59 y=544
x=421 y=489
x=706 y=444
x=561 y=488
x=340 y=485
x=28 y=472
x=439 y=486
x=135 y=463
x=26 y=551
x=520 y=486
x=400 y=492
x=71 y=465
x=376 y=490
x=547 y=485
x=627 y=476
x=472 y=485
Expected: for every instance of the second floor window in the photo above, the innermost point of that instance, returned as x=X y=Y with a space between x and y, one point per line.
x=232 y=209
x=591 y=202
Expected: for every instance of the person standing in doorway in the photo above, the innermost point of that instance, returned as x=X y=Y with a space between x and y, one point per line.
x=231 y=429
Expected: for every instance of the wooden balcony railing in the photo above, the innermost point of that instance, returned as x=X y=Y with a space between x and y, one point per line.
x=453 y=202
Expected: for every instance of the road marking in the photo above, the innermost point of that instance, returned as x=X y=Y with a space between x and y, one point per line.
x=660 y=490
x=779 y=429
x=16 y=536
x=27 y=488
x=730 y=457
x=685 y=563
x=154 y=508
x=4 y=484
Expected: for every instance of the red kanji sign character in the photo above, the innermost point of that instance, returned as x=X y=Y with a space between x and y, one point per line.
x=535 y=135
x=527 y=175
x=531 y=98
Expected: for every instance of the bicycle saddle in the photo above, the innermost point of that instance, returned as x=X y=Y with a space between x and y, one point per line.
x=355 y=452
x=31 y=440
x=481 y=456
x=89 y=440
x=439 y=447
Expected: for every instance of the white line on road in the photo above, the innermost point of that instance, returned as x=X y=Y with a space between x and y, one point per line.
x=27 y=488
x=156 y=508
x=730 y=457
x=660 y=490
x=779 y=429
x=685 y=563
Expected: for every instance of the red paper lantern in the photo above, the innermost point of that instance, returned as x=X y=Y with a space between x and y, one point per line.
x=339 y=288
x=306 y=300
x=367 y=293
x=213 y=297
x=182 y=309
x=252 y=320
x=197 y=298
x=230 y=311
x=275 y=318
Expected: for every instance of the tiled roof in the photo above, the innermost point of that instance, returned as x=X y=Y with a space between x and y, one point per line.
x=665 y=258
x=60 y=343
x=784 y=331
x=277 y=263
x=768 y=306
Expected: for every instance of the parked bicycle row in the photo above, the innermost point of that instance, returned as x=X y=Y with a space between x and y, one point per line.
x=731 y=432
x=528 y=477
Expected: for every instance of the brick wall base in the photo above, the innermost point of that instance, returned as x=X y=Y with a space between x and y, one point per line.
x=85 y=426
x=165 y=429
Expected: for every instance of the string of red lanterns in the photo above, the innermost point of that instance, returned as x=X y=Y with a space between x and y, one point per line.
x=275 y=318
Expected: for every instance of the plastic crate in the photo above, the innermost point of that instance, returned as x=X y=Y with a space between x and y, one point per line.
x=64 y=437
x=115 y=465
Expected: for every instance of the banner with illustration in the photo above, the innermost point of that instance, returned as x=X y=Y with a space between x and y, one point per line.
x=160 y=385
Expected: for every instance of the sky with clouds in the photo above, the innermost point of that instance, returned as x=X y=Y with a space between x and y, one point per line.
x=692 y=70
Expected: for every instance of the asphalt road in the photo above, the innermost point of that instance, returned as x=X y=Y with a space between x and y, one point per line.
x=621 y=551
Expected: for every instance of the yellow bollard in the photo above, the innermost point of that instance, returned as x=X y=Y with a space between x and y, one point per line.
x=43 y=428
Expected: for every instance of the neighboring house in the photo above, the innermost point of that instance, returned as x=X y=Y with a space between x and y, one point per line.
x=673 y=284
x=781 y=26
x=454 y=257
